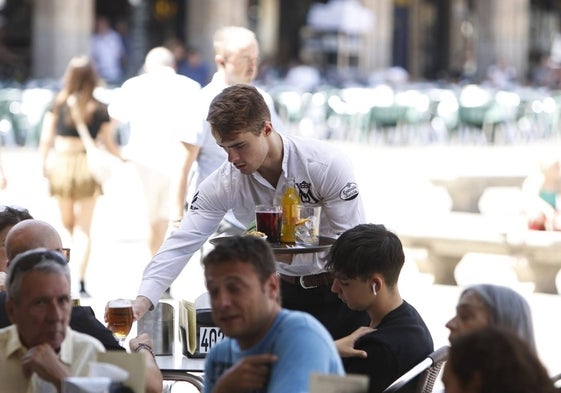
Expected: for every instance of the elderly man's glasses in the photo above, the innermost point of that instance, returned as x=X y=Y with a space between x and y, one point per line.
x=29 y=259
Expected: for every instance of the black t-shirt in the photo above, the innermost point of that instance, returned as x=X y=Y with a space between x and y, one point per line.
x=100 y=116
x=400 y=341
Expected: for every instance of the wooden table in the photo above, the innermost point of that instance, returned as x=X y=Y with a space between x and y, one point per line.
x=448 y=237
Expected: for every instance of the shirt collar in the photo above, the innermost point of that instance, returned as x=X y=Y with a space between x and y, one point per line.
x=66 y=348
x=14 y=345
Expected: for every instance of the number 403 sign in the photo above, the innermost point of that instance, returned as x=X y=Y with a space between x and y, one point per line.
x=208 y=338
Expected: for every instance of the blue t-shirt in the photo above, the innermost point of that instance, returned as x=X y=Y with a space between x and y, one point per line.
x=302 y=345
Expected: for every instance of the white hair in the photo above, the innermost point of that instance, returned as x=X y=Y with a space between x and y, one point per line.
x=159 y=57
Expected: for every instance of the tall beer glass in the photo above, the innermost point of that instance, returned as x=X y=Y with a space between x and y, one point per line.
x=120 y=318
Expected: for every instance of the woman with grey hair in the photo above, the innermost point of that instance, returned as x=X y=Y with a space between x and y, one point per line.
x=485 y=305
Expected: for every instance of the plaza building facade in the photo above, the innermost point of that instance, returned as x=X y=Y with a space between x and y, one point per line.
x=431 y=39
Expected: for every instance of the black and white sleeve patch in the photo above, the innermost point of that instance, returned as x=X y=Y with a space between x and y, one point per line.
x=194 y=202
x=349 y=192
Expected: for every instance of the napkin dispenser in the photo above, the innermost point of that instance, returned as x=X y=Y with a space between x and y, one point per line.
x=205 y=334
x=159 y=325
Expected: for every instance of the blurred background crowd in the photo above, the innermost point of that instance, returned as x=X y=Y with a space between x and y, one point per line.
x=468 y=70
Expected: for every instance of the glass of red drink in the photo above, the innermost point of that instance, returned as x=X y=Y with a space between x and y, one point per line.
x=268 y=219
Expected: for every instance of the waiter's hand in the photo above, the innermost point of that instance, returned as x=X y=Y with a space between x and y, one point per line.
x=140 y=306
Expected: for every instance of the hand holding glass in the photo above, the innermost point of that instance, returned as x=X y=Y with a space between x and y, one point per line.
x=119 y=318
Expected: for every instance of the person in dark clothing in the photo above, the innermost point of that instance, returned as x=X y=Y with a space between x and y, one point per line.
x=366 y=262
x=9 y=216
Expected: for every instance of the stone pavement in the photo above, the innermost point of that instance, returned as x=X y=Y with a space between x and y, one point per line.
x=393 y=182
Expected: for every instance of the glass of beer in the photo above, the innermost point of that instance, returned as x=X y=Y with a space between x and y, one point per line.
x=119 y=318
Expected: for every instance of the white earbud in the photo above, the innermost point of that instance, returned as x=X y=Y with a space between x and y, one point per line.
x=374 y=289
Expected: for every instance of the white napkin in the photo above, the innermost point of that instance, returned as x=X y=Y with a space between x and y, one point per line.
x=113 y=372
x=86 y=385
x=100 y=377
x=188 y=321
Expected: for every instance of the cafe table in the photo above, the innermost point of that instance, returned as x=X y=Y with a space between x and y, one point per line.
x=175 y=366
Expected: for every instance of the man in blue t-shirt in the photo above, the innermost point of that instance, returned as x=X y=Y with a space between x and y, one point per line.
x=268 y=348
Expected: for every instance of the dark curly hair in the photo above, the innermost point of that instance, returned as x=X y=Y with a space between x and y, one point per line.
x=11 y=215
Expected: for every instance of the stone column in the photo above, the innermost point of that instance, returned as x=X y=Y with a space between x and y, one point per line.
x=61 y=29
x=377 y=43
x=502 y=31
x=460 y=33
x=267 y=30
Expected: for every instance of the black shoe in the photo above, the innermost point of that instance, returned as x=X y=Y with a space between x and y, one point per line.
x=83 y=292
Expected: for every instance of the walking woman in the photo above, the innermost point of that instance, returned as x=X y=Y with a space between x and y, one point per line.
x=63 y=155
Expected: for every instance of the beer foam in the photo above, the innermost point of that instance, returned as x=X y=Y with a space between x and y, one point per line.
x=118 y=303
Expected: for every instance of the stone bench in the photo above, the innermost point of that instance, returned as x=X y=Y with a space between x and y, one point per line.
x=447 y=238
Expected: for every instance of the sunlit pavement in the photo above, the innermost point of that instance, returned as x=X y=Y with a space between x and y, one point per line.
x=393 y=182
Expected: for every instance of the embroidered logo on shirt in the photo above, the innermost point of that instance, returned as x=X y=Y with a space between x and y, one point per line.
x=349 y=192
x=304 y=192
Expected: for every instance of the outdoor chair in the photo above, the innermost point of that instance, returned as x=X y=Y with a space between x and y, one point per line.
x=427 y=371
x=171 y=379
x=556 y=379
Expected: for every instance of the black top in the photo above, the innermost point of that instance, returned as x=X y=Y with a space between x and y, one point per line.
x=400 y=341
x=99 y=117
x=82 y=320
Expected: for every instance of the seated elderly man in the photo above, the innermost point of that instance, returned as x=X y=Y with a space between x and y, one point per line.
x=29 y=234
x=39 y=350
x=267 y=348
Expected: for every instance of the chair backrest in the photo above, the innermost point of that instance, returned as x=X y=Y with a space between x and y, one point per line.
x=427 y=371
x=557 y=381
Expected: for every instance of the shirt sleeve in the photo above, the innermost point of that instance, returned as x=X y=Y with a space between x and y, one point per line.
x=342 y=203
x=380 y=365
x=197 y=226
